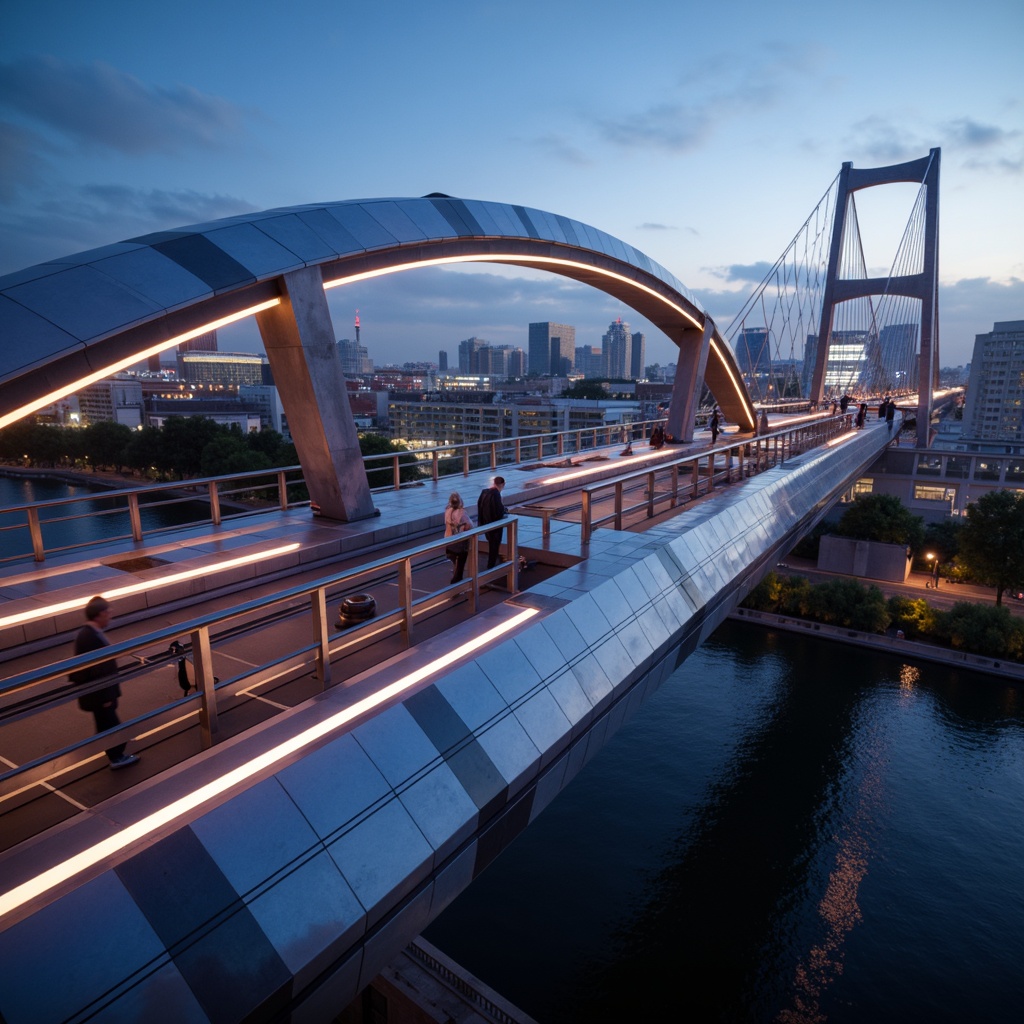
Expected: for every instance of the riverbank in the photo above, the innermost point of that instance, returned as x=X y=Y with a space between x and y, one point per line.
x=913 y=650
x=108 y=481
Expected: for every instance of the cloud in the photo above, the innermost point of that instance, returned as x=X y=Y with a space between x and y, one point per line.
x=561 y=149
x=96 y=106
x=747 y=273
x=969 y=134
x=20 y=162
x=883 y=141
x=76 y=219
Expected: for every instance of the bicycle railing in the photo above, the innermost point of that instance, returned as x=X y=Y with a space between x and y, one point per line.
x=750 y=456
x=32 y=693
x=235 y=495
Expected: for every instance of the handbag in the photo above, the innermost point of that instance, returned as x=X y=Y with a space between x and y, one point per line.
x=460 y=547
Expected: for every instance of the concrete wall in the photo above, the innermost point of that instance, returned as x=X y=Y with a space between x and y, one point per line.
x=865 y=558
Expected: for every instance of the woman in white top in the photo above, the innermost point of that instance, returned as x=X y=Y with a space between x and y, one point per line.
x=456 y=519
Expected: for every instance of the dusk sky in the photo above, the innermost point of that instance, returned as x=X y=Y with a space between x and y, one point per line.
x=702 y=134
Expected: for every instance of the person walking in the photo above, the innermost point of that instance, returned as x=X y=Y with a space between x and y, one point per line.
x=102 y=701
x=890 y=414
x=762 y=426
x=715 y=426
x=456 y=520
x=490 y=509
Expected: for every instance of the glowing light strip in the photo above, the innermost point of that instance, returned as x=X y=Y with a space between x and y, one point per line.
x=513 y=258
x=88 y=858
x=109 y=371
x=588 y=470
x=134 y=588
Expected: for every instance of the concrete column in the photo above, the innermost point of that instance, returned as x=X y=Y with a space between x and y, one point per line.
x=299 y=339
x=690 y=366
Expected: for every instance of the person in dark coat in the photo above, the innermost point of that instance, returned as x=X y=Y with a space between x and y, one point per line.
x=890 y=414
x=490 y=509
x=102 y=701
x=715 y=426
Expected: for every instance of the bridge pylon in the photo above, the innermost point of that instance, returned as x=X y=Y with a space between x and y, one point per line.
x=921 y=285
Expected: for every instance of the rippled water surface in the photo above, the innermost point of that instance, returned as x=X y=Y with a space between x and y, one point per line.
x=787 y=831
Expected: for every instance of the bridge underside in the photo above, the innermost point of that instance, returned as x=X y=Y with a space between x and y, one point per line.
x=288 y=895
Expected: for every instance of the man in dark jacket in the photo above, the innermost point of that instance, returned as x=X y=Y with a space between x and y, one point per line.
x=102 y=701
x=490 y=509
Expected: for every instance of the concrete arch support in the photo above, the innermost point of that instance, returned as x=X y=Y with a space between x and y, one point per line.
x=299 y=339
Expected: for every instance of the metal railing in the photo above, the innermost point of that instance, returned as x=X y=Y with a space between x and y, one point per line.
x=688 y=478
x=32 y=693
x=224 y=498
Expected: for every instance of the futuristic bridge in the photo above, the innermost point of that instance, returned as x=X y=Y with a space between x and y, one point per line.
x=70 y=322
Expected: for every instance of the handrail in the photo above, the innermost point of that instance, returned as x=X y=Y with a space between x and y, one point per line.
x=22 y=696
x=216 y=491
x=753 y=455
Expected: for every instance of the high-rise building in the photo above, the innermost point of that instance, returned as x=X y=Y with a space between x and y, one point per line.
x=469 y=354
x=552 y=348
x=442 y=361
x=617 y=348
x=994 y=410
x=230 y=368
x=636 y=365
x=897 y=345
x=117 y=399
x=355 y=359
x=590 y=361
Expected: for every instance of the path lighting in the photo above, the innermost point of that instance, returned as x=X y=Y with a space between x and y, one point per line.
x=933 y=567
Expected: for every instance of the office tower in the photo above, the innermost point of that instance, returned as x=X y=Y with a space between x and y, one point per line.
x=617 y=349
x=994 y=410
x=552 y=348
x=355 y=359
x=469 y=354
x=590 y=361
x=636 y=366
x=442 y=361
x=898 y=351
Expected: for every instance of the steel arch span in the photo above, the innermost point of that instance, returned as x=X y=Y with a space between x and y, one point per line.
x=72 y=321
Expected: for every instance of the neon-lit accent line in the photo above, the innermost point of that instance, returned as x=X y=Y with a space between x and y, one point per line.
x=88 y=858
x=134 y=588
x=109 y=371
x=634 y=460
x=512 y=258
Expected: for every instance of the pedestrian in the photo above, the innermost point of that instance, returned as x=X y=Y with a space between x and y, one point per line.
x=490 y=509
x=862 y=415
x=843 y=403
x=456 y=520
x=890 y=414
x=715 y=425
x=657 y=437
x=762 y=426
x=101 y=701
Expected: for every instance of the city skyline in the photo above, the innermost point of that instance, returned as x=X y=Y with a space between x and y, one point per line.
x=119 y=121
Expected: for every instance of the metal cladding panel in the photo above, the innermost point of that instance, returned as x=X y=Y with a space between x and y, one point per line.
x=471 y=695
x=441 y=808
x=257 y=252
x=84 y=303
x=99 y=917
x=500 y=216
x=396 y=221
x=369 y=233
x=568 y=229
x=396 y=745
x=426 y=218
x=198 y=255
x=509 y=670
x=103 y=252
x=529 y=229
x=150 y=273
x=291 y=231
x=327 y=227
x=547 y=226
x=329 y=809
x=26 y=338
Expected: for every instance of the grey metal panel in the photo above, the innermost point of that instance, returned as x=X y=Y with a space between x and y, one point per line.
x=331 y=231
x=545 y=724
x=99 y=917
x=541 y=650
x=83 y=302
x=313 y=784
x=566 y=636
x=504 y=220
x=245 y=850
x=611 y=602
x=509 y=670
x=512 y=751
x=291 y=231
x=382 y=858
x=588 y=618
x=396 y=221
x=254 y=250
x=425 y=216
x=41 y=270
x=397 y=746
x=441 y=808
x=572 y=701
x=546 y=225
x=361 y=226
x=151 y=274
x=310 y=915
x=27 y=338
x=471 y=694
x=95 y=255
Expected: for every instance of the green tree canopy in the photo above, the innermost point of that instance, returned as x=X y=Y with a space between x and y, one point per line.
x=589 y=389
x=992 y=540
x=881 y=517
x=378 y=444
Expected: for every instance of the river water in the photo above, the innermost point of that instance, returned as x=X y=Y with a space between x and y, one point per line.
x=788 y=831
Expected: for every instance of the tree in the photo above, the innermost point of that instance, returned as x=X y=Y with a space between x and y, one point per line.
x=881 y=517
x=588 y=389
x=106 y=442
x=380 y=473
x=992 y=540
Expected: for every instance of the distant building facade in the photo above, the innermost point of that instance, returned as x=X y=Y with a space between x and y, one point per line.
x=228 y=368
x=552 y=349
x=617 y=350
x=994 y=410
x=355 y=358
x=116 y=400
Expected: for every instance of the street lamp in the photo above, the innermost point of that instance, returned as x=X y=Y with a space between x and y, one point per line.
x=933 y=566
